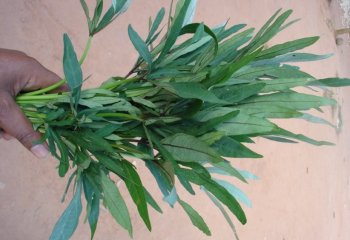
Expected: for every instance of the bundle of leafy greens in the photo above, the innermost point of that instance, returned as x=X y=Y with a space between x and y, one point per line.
x=183 y=109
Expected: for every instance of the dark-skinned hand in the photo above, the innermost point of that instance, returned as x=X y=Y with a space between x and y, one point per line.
x=21 y=73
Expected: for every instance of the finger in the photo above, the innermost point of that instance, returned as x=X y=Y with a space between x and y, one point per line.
x=41 y=77
x=14 y=123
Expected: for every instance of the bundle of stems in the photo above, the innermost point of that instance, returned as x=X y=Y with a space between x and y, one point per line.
x=182 y=110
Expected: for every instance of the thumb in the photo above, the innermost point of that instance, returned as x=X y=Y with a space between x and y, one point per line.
x=14 y=122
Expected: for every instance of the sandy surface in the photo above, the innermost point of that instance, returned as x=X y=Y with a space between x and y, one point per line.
x=303 y=192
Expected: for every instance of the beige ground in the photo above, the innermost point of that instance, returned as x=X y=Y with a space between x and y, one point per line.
x=303 y=192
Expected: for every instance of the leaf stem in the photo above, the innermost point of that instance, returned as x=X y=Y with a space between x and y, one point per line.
x=86 y=50
x=121 y=115
x=118 y=83
x=63 y=81
x=51 y=96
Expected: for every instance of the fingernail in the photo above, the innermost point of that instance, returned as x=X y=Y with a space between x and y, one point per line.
x=39 y=151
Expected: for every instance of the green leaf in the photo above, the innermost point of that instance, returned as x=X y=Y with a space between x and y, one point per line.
x=331 y=82
x=69 y=220
x=86 y=12
x=226 y=198
x=117 y=8
x=224 y=73
x=136 y=190
x=245 y=174
x=244 y=124
x=234 y=191
x=227 y=167
x=196 y=219
x=190 y=12
x=97 y=14
x=211 y=137
x=314 y=119
x=255 y=71
x=275 y=85
x=291 y=57
x=183 y=180
x=171 y=199
x=228 y=147
x=279 y=139
x=224 y=33
x=64 y=160
x=223 y=211
x=93 y=205
x=140 y=46
x=211 y=113
x=186 y=148
x=105 y=21
x=111 y=163
x=293 y=100
x=228 y=50
x=115 y=203
x=150 y=200
x=120 y=6
x=287 y=47
x=193 y=27
x=199 y=33
x=107 y=130
x=212 y=123
x=263 y=110
x=218 y=191
x=163 y=179
x=237 y=93
x=175 y=30
x=300 y=137
x=191 y=90
x=70 y=179
x=269 y=31
x=266 y=25
x=72 y=70
x=155 y=25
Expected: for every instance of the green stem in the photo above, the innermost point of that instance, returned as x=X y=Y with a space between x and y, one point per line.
x=45 y=90
x=86 y=50
x=121 y=115
x=35 y=115
x=52 y=96
x=63 y=81
x=118 y=83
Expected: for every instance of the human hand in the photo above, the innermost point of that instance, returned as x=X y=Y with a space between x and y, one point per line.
x=20 y=73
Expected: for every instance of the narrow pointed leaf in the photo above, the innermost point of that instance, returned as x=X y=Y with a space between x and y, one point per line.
x=192 y=91
x=115 y=203
x=156 y=23
x=228 y=147
x=186 y=148
x=287 y=47
x=234 y=191
x=175 y=30
x=69 y=220
x=136 y=190
x=196 y=219
x=223 y=211
x=140 y=46
x=72 y=70
x=331 y=82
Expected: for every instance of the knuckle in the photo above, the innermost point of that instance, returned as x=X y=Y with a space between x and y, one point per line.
x=26 y=137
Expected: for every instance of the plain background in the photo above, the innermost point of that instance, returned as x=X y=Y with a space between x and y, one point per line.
x=303 y=191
